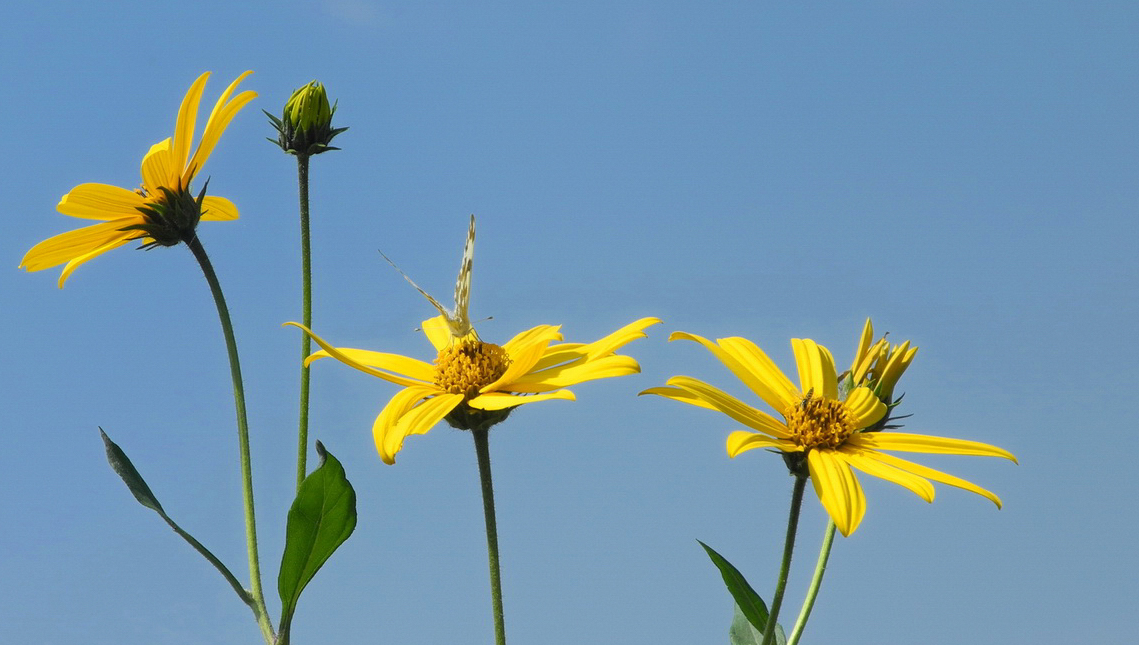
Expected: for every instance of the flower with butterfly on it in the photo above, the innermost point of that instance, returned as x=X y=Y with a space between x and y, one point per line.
x=473 y=384
x=822 y=435
x=162 y=211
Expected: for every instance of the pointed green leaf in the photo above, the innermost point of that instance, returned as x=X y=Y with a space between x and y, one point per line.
x=747 y=600
x=322 y=517
x=126 y=470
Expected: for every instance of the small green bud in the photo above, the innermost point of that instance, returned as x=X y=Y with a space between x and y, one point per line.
x=308 y=107
x=305 y=128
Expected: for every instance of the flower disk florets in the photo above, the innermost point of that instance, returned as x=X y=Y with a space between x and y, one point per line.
x=817 y=422
x=467 y=366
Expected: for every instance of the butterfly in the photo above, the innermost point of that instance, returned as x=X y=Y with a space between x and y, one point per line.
x=459 y=320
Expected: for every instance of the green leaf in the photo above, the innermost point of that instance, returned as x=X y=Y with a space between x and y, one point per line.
x=126 y=470
x=742 y=631
x=321 y=518
x=747 y=600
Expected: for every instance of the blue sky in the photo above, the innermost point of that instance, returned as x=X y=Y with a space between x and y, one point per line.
x=965 y=173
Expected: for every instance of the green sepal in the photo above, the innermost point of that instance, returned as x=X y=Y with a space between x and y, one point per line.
x=747 y=600
x=321 y=518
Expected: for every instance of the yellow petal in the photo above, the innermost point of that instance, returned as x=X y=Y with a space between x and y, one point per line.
x=906 y=442
x=935 y=475
x=524 y=351
x=218 y=209
x=838 y=489
x=387 y=431
x=751 y=366
x=619 y=338
x=101 y=202
x=572 y=374
x=78 y=243
x=345 y=358
x=816 y=368
x=184 y=127
x=863 y=347
x=94 y=253
x=677 y=394
x=742 y=441
x=501 y=400
x=731 y=406
x=866 y=462
x=401 y=365
x=158 y=169
x=223 y=112
x=437 y=332
x=865 y=406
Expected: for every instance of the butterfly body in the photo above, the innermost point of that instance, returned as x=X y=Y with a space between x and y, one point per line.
x=459 y=318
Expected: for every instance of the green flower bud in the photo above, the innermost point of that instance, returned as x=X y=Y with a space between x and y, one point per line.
x=305 y=128
x=308 y=107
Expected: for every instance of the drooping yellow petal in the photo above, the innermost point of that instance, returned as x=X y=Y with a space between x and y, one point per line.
x=94 y=253
x=218 y=209
x=731 y=406
x=751 y=366
x=101 y=202
x=78 y=243
x=223 y=112
x=184 y=126
x=871 y=466
x=935 y=475
x=865 y=406
x=907 y=442
x=838 y=490
x=501 y=400
x=574 y=373
x=677 y=394
x=401 y=365
x=742 y=441
x=816 y=368
x=341 y=356
x=394 y=425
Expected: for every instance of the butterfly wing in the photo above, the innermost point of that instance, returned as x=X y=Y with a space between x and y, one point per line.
x=461 y=321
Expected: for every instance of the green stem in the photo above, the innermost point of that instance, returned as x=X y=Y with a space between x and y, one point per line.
x=816 y=582
x=306 y=313
x=482 y=448
x=785 y=567
x=260 y=611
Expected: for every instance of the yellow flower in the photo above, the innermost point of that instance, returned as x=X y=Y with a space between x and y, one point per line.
x=819 y=428
x=473 y=384
x=149 y=211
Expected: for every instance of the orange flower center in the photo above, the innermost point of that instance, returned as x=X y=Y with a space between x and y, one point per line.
x=469 y=365
x=818 y=422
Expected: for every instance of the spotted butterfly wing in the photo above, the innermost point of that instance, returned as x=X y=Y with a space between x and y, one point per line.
x=459 y=319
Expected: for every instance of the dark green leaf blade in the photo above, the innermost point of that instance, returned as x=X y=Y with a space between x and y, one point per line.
x=321 y=518
x=749 y=602
x=130 y=476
